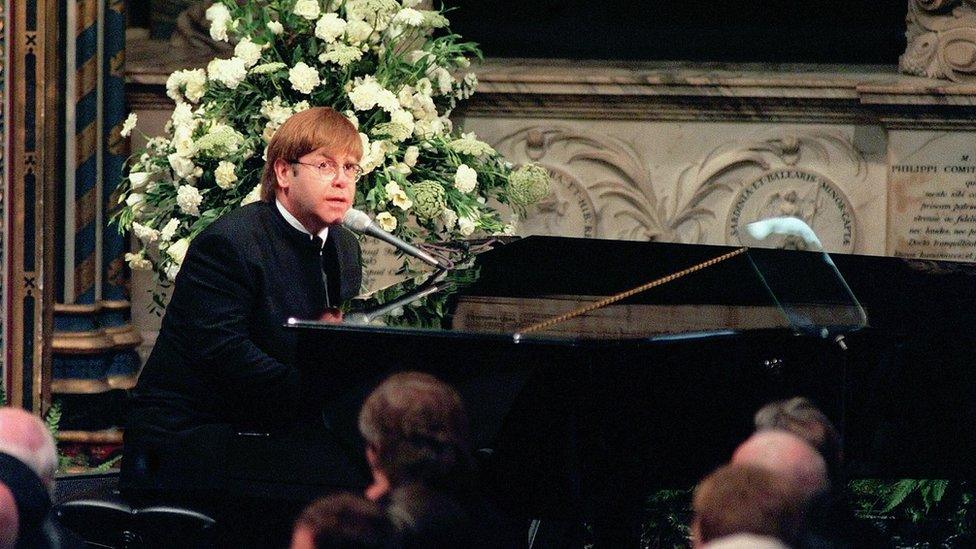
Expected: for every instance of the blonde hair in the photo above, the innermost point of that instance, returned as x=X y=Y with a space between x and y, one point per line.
x=304 y=132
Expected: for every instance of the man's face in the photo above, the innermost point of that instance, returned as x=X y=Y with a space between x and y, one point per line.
x=307 y=191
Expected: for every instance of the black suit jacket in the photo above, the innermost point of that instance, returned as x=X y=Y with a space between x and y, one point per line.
x=223 y=361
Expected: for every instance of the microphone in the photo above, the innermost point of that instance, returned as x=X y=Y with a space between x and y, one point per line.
x=358 y=222
x=785 y=226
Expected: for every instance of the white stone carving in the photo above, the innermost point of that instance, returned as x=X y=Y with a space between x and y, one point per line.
x=603 y=185
x=941 y=40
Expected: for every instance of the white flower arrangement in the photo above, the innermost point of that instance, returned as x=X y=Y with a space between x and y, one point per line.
x=386 y=65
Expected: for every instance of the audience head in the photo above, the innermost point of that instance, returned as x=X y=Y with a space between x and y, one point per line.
x=343 y=521
x=9 y=521
x=745 y=541
x=746 y=499
x=428 y=518
x=799 y=416
x=416 y=430
x=788 y=455
x=25 y=437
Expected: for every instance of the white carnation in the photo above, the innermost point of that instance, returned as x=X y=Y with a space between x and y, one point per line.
x=351 y=116
x=229 y=72
x=137 y=262
x=357 y=32
x=219 y=17
x=276 y=27
x=410 y=156
x=450 y=218
x=129 y=125
x=169 y=230
x=147 y=235
x=248 y=51
x=444 y=80
x=225 y=175
x=303 y=78
x=177 y=250
x=365 y=93
x=465 y=179
x=188 y=198
x=309 y=9
x=330 y=27
x=386 y=221
x=182 y=166
x=274 y=111
x=191 y=82
x=301 y=106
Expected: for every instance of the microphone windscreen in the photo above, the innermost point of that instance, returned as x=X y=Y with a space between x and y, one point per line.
x=355 y=220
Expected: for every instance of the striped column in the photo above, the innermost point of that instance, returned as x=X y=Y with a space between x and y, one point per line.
x=94 y=342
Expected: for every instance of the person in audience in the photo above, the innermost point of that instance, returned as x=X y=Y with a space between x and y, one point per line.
x=746 y=499
x=799 y=416
x=745 y=541
x=344 y=521
x=25 y=437
x=28 y=464
x=428 y=518
x=416 y=430
x=9 y=521
x=788 y=455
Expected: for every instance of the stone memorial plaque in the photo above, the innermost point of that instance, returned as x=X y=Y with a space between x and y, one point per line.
x=932 y=196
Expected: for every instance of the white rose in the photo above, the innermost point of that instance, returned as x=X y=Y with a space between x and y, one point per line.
x=177 y=250
x=225 y=175
x=386 y=221
x=229 y=72
x=465 y=226
x=137 y=262
x=411 y=155
x=147 y=235
x=169 y=230
x=136 y=201
x=465 y=179
x=188 y=198
x=275 y=27
x=309 y=9
x=303 y=78
x=330 y=27
x=129 y=125
x=248 y=51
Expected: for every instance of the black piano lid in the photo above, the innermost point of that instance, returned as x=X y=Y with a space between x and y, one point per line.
x=508 y=291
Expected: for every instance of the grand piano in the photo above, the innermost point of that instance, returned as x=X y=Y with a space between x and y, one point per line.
x=584 y=398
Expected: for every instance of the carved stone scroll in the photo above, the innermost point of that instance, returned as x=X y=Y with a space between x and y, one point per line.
x=941 y=40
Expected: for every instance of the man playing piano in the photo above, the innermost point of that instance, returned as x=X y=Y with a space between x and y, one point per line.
x=217 y=400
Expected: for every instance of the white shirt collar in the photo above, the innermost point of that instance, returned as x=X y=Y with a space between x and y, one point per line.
x=323 y=234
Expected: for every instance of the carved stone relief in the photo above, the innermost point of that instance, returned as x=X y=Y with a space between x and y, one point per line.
x=604 y=186
x=941 y=40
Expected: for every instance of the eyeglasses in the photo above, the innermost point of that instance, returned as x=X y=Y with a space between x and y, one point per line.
x=329 y=170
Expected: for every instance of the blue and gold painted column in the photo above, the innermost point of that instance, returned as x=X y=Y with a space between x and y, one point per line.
x=31 y=166
x=94 y=343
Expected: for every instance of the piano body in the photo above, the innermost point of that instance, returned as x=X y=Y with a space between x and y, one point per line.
x=581 y=409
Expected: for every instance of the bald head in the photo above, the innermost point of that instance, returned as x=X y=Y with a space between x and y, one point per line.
x=787 y=455
x=25 y=437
